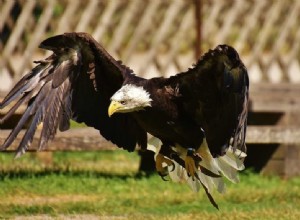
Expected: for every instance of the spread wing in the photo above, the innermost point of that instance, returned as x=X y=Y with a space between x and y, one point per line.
x=75 y=82
x=215 y=93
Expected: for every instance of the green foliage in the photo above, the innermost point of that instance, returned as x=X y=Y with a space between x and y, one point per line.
x=107 y=184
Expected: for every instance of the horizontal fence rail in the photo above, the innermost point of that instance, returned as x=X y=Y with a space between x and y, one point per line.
x=89 y=139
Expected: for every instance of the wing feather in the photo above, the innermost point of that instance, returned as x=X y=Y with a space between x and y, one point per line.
x=51 y=116
x=26 y=84
x=75 y=82
x=215 y=94
x=64 y=123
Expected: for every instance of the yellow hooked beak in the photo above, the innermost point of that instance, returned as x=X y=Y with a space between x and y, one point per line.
x=114 y=107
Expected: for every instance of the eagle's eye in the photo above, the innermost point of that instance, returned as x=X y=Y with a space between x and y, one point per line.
x=123 y=102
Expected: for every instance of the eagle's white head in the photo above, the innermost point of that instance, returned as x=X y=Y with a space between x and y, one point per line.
x=128 y=99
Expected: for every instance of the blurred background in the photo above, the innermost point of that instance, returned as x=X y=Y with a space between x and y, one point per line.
x=162 y=38
x=158 y=37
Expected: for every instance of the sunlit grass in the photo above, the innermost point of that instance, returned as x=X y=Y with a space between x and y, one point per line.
x=106 y=184
x=111 y=162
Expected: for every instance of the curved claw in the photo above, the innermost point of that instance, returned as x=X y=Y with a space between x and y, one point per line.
x=162 y=175
x=162 y=170
x=173 y=167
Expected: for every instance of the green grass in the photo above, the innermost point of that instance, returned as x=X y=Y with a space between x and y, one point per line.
x=106 y=184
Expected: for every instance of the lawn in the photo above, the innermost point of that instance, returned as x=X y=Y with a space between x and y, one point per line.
x=106 y=185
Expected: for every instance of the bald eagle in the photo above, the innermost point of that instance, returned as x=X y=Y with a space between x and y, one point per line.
x=197 y=118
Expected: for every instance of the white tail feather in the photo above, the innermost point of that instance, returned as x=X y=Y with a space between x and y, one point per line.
x=231 y=163
x=209 y=163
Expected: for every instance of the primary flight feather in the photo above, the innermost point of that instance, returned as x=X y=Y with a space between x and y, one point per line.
x=198 y=116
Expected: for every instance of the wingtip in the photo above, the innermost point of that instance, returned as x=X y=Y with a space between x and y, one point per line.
x=46 y=44
x=63 y=40
x=54 y=42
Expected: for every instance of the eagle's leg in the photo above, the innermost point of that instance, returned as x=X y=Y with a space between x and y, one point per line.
x=191 y=162
x=162 y=171
x=193 y=158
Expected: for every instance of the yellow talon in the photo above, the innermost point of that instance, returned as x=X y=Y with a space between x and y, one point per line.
x=160 y=159
x=190 y=166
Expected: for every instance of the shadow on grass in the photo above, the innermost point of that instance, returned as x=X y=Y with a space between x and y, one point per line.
x=19 y=174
